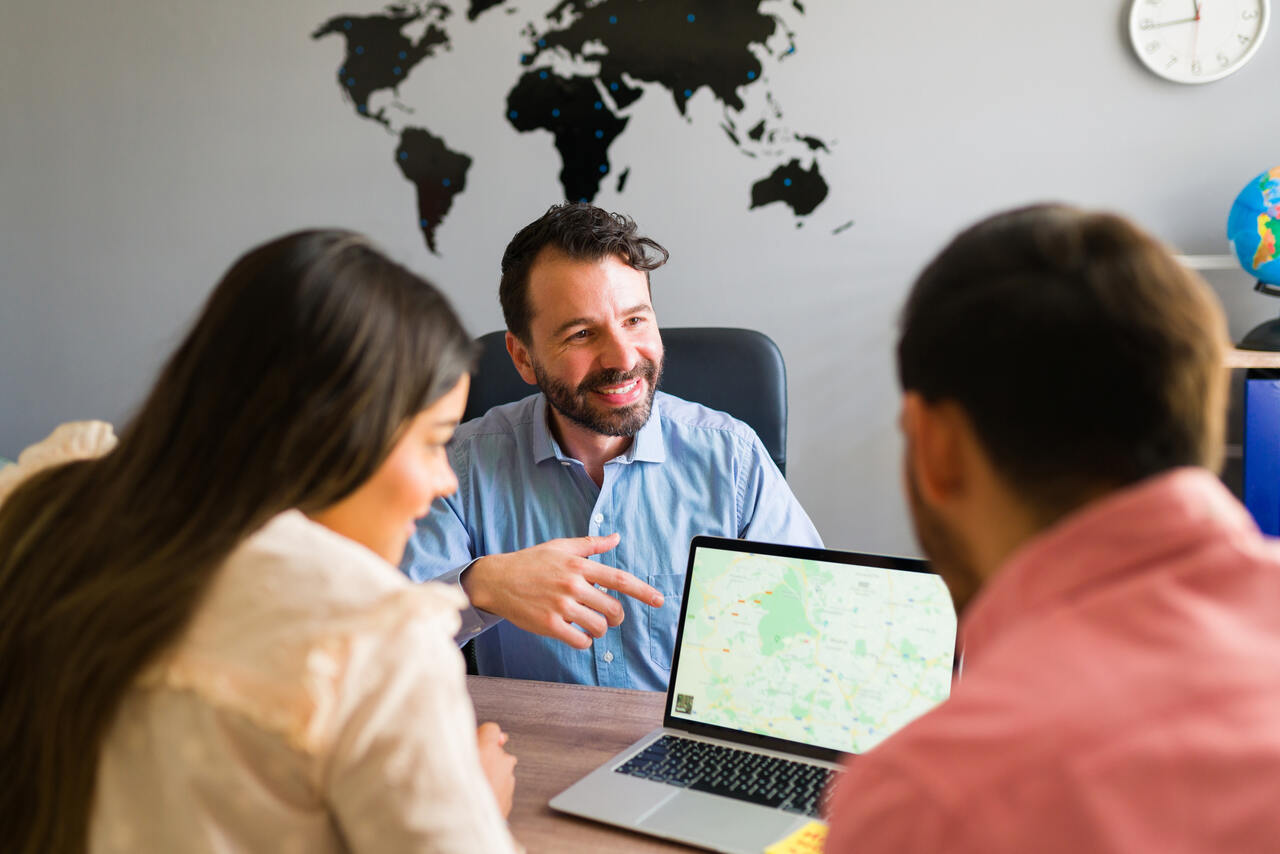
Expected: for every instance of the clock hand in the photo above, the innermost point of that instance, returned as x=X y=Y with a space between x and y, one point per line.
x=1171 y=23
x=1195 y=39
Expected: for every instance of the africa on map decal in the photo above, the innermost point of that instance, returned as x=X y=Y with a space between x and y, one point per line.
x=587 y=62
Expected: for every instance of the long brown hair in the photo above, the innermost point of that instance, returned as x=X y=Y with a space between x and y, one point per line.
x=289 y=391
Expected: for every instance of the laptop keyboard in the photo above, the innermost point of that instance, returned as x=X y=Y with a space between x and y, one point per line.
x=755 y=777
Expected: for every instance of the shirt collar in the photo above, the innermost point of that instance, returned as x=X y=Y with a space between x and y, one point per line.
x=545 y=446
x=648 y=446
x=1122 y=535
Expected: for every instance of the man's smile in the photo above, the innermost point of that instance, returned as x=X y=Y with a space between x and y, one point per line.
x=621 y=394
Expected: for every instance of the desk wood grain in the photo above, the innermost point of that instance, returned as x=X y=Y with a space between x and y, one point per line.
x=559 y=733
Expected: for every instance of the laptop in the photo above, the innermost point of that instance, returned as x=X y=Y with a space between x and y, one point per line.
x=787 y=660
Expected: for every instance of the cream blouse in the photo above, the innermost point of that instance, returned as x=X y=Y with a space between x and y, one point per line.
x=316 y=703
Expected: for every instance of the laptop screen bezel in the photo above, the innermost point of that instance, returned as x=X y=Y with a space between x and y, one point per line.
x=752 y=739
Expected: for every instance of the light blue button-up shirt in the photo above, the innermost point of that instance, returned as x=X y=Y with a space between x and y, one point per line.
x=691 y=470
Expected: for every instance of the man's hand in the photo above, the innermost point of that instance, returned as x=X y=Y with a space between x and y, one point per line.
x=546 y=588
x=498 y=765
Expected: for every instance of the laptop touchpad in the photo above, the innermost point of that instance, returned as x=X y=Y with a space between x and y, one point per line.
x=723 y=821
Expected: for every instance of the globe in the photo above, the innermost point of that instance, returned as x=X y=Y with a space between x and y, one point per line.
x=1253 y=227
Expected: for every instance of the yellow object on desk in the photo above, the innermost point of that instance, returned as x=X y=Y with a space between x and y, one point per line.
x=806 y=840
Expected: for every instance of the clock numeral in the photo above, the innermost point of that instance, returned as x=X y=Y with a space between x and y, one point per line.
x=1249 y=14
x=1223 y=59
x=1243 y=38
x=1195 y=66
x=1152 y=47
x=1173 y=60
x=1147 y=24
x=1153 y=2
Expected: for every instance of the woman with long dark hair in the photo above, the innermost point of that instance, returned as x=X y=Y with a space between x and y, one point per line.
x=204 y=642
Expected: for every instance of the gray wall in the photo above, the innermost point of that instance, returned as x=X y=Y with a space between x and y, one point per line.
x=143 y=146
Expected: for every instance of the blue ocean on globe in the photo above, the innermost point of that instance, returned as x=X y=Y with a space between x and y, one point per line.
x=1253 y=227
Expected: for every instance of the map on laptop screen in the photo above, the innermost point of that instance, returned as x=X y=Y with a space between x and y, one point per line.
x=830 y=654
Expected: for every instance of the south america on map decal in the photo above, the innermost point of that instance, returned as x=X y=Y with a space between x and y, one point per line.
x=584 y=68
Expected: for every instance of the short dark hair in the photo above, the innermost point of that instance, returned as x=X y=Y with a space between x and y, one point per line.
x=1083 y=353
x=583 y=232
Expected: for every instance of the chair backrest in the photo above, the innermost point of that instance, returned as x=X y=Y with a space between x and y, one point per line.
x=738 y=371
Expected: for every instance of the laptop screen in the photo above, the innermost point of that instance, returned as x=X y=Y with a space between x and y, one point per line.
x=829 y=649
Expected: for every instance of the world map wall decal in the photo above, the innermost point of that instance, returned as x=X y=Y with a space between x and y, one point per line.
x=630 y=49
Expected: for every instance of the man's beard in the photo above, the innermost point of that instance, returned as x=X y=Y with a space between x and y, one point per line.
x=576 y=404
x=947 y=552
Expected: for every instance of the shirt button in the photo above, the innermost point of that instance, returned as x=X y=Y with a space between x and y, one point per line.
x=608 y=656
x=599 y=518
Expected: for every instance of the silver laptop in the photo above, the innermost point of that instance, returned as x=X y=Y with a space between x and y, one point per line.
x=787 y=659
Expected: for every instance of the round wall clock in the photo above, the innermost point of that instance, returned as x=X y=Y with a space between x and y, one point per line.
x=1197 y=41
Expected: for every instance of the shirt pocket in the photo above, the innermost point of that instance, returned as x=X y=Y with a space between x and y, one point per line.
x=663 y=621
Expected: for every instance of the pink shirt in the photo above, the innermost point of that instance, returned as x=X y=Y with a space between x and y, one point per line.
x=1121 y=692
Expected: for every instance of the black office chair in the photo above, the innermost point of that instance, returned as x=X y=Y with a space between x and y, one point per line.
x=738 y=371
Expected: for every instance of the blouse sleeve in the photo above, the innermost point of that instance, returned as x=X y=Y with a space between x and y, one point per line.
x=76 y=440
x=404 y=772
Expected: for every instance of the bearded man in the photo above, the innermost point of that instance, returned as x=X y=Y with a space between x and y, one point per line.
x=599 y=461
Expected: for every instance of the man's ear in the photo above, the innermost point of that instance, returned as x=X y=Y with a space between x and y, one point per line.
x=520 y=358
x=935 y=446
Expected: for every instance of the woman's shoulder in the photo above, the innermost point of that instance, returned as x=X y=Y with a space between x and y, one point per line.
x=297 y=565
x=292 y=611
x=295 y=582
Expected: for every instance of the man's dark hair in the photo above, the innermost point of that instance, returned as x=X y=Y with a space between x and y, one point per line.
x=583 y=232
x=1084 y=355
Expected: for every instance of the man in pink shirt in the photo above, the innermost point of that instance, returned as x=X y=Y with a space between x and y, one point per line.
x=1063 y=409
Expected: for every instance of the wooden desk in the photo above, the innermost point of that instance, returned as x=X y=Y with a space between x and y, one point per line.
x=559 y=733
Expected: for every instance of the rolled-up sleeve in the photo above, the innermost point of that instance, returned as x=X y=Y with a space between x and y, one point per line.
x=441 y=549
